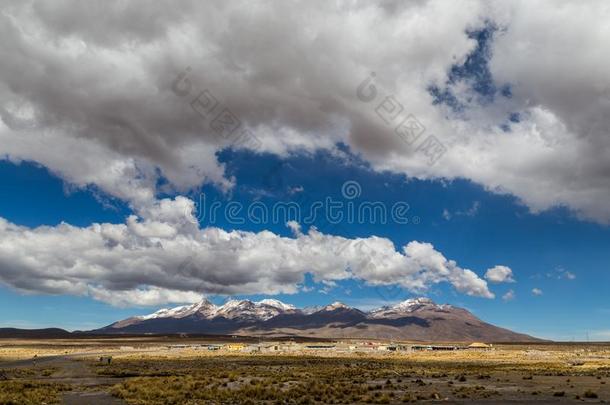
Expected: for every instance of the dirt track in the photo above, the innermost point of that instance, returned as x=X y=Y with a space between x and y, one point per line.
x=87 y=386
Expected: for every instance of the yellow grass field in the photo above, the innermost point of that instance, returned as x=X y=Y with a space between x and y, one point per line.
x=184 y=371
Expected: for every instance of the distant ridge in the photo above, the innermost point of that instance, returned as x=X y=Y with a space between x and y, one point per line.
x=46 y=333
x=418 y=319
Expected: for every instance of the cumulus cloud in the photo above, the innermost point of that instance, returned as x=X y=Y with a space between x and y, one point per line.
x=537 y=291
x=499 y=274
x=164 y=257
x=95 y=82
x=86 y=91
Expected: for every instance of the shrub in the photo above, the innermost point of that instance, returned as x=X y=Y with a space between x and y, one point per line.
x=590 y=394
x=30 y=393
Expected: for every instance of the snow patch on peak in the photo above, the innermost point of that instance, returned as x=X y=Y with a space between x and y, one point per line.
x=276 y=304
x=203 y=306
x=407 y=306
x=232 y=309
x=162 y=313
x=413 y=304
x=335 y=305
x=232 y=304
x=312 y=309
x=248 y=310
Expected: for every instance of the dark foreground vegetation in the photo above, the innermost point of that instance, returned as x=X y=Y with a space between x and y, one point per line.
x=150 y=372
x=299 y=380
x=30 y=392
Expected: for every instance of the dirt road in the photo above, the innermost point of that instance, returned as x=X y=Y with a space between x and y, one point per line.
x=73 y=370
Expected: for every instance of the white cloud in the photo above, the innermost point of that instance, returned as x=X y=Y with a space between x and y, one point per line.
x=561 y=273
x=473 y=210
x=295 y=190
x=446 y=214
x=99 y=90
x=152 y=296
x=509 y=296
x=165 y=257
x=499 y=274
x=536 y=291
x=295 y=227
x=569 y=275
x=470 y=212
x=90 y=98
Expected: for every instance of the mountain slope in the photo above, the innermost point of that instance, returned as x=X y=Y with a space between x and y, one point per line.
x=414 y=319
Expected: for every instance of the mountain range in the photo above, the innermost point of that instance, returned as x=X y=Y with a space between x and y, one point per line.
x=418 y=319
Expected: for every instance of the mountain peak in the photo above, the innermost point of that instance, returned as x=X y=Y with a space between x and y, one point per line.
x=413 y=304
x=203 y=306
x=335 y=305
x=249 y=310
x=407 y=307
x=276 y=304
x=233 y=303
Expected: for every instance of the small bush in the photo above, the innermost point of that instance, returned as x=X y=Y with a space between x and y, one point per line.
x=590 y=394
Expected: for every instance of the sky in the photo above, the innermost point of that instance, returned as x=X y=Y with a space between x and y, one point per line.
x=362 y=152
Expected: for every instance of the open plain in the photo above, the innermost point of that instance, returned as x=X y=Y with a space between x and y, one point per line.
x=172 y=370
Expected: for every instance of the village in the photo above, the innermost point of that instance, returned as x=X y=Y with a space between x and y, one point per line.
x=338 y=347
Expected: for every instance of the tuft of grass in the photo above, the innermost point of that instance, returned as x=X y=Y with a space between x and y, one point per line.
x=30 y=392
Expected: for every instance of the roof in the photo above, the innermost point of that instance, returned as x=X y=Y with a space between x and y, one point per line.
x=479 y=344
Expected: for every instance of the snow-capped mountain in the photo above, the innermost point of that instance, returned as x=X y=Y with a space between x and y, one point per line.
x=232 y=309
x=249 y=310
x=204 y=307
x=311 y=309
x=413 y=319
x=334 y=306
x=407 y=307
x=268 y=308
x=277 y=304
x=414 y=304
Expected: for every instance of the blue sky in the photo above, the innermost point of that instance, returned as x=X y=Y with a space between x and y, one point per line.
x=481 y=230
x=126 y=172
